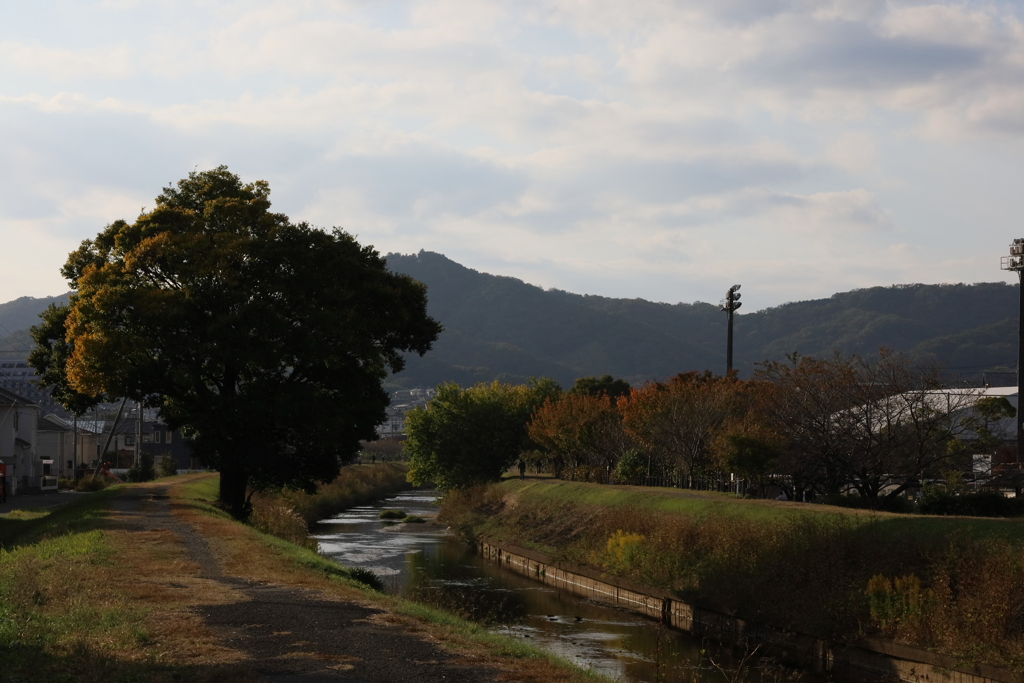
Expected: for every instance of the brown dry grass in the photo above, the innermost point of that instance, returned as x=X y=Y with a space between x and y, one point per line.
x=166 y=585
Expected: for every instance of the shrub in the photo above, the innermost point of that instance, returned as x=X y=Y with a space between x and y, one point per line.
x=391 y=514
x=632 y=466
x=142 y=469
x=622 y=550
x=414 y=519
x=168 y=466
x=898 y=604
x=366 y=577
x=898 y=504
x=981 y=504
x=93 y=483
x=354 y=486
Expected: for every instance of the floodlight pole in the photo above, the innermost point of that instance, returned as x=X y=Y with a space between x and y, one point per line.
x=729 y=304
x=1015 y=262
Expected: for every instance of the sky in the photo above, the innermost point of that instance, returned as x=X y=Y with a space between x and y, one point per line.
x=661 y=150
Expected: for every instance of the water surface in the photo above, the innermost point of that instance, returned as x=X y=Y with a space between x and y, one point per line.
x=424 y=563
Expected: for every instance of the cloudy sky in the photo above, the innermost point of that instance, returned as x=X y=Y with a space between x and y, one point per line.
x=662 y=150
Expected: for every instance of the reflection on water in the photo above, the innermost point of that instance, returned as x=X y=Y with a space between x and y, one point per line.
x=423 y=563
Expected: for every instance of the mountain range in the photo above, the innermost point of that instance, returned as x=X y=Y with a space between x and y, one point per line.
x=499 y=327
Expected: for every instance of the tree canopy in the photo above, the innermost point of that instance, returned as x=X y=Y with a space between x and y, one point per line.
x=582 y=433
x=470 y=436
x=605 y=385
x=264 y=341
x=50 y=358
x=878 y=425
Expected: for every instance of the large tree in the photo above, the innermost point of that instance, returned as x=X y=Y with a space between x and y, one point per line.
x=878 y=425
x=582 y=433
x=471 y=436
x=677 y=422
x=265 y=341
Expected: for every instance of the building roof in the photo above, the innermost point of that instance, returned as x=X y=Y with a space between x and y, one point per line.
x=10 y=398
x=52 y=423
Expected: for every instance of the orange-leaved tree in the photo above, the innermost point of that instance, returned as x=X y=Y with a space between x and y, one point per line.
x=581 y=433
x=676 y=422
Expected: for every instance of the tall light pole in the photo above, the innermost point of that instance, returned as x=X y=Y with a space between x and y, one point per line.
x=1015 y=262
x=729 y=304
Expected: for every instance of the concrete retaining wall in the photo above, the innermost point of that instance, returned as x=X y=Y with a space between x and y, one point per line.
x=869 y=657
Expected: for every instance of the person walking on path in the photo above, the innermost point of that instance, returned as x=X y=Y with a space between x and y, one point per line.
x=522 y=469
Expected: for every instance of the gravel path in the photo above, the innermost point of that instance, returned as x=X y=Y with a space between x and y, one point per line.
x=293 y=635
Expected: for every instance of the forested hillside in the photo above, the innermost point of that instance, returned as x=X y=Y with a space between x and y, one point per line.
x=15 y=319
x=499 y=327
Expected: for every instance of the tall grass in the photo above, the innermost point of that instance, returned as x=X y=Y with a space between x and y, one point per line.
x=840 y=575
x=288 y=514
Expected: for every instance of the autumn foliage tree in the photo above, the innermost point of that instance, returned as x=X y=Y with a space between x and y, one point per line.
x=50 y=357
x=582 y=433
x=263 y=340
x=875 y=425
x=677 y=422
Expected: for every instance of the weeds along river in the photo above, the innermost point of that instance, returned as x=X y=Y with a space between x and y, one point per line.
x=424 y=563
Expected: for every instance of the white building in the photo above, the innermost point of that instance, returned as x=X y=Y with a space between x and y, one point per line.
x=19 y=461
x=56 y=446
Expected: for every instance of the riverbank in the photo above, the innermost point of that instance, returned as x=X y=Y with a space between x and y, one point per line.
x=150 y=582
x=950 y=585
x=290 y=514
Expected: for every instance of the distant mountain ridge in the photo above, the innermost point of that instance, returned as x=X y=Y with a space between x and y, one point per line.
x=16 y=317
x=499 y=327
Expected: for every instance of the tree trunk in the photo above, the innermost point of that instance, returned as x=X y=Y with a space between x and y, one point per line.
x=233 y=484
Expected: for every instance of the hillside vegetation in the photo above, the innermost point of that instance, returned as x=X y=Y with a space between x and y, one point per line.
x=502 y=328
x=23 y=312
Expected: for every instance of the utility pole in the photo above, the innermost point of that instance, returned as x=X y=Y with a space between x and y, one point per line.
x=1015 y=262
x=138 y=435
x=729 y=304
x=74 y=456
x=106 y=445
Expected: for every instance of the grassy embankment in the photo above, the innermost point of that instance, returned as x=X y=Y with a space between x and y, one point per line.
x=289 y=514
x=91 y=593
x=953 y=585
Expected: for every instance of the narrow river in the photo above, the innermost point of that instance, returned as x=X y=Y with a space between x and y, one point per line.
x=424 y=563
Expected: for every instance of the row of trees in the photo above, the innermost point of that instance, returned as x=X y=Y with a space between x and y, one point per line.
x=806 y=426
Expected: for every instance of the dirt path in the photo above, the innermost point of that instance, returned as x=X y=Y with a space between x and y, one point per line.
x=214 y=611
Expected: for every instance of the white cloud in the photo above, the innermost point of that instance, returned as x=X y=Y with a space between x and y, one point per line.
x=626 y=149
x=60 y=64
